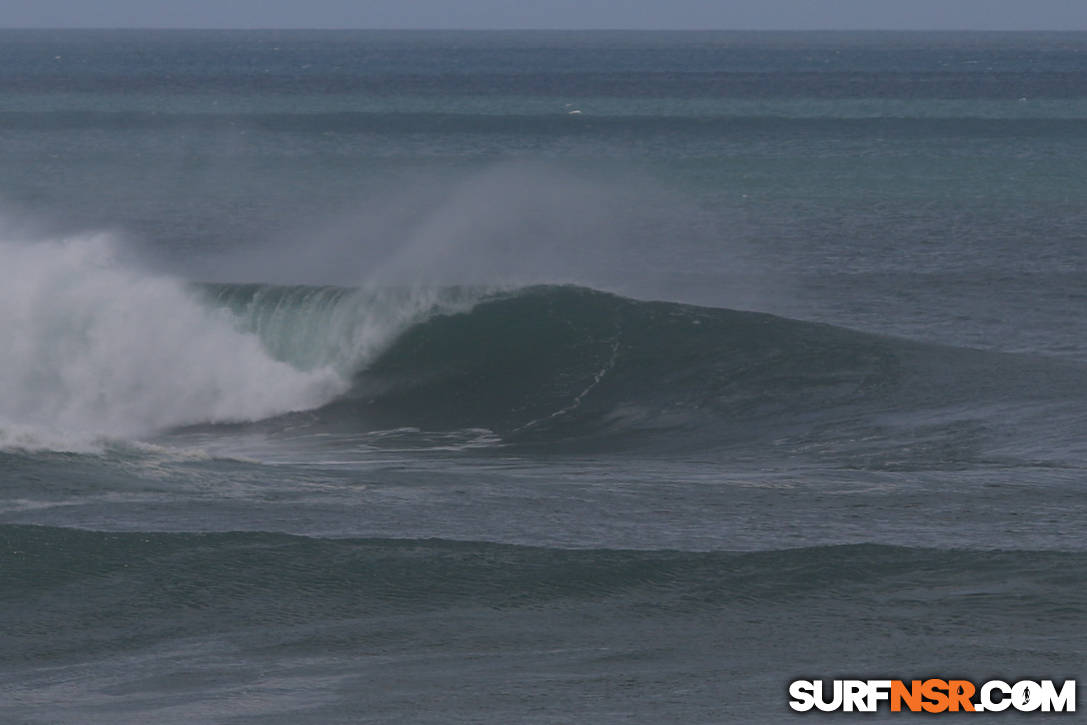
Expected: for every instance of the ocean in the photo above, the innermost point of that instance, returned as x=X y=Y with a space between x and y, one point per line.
x=536 y=377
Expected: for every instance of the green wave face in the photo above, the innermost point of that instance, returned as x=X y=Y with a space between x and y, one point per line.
x=549 y=365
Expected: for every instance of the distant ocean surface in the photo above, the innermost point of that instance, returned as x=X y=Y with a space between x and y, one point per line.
x=536 y=377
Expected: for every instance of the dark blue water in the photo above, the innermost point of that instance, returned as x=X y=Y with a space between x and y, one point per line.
x=535 y=377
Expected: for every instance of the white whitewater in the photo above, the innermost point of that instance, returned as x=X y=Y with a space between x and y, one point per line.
x=94 y=346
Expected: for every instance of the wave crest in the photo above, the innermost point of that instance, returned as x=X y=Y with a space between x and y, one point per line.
x=100 y=348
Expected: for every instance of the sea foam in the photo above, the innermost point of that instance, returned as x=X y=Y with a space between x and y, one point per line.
x=95 y=346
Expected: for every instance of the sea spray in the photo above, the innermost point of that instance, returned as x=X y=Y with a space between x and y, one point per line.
x=95 y=346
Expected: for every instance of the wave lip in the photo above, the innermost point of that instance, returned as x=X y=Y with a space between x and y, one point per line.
x=343 y=328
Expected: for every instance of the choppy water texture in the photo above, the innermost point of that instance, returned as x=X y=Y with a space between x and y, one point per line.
x=535 y=377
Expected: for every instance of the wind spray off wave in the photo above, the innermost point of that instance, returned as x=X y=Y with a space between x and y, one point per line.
x=96 y=347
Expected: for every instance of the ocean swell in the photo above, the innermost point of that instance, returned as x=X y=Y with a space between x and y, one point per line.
x=98 y=348
x=546 y=365
x=177 y=584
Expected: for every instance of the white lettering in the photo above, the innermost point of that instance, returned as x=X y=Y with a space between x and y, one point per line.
x=878 y=690
x=1054 y=701
x=1027 y=696
x=803 y=694
x=835 y=701
x=987 y=695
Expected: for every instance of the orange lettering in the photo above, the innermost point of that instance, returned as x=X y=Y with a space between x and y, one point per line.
x=934 y=690
x=959 y=694
x=911 y=695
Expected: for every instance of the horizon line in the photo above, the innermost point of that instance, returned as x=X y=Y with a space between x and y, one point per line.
x=539 y=30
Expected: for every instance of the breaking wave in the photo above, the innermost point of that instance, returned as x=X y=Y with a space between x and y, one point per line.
x=96 y=347
x=99 y=348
